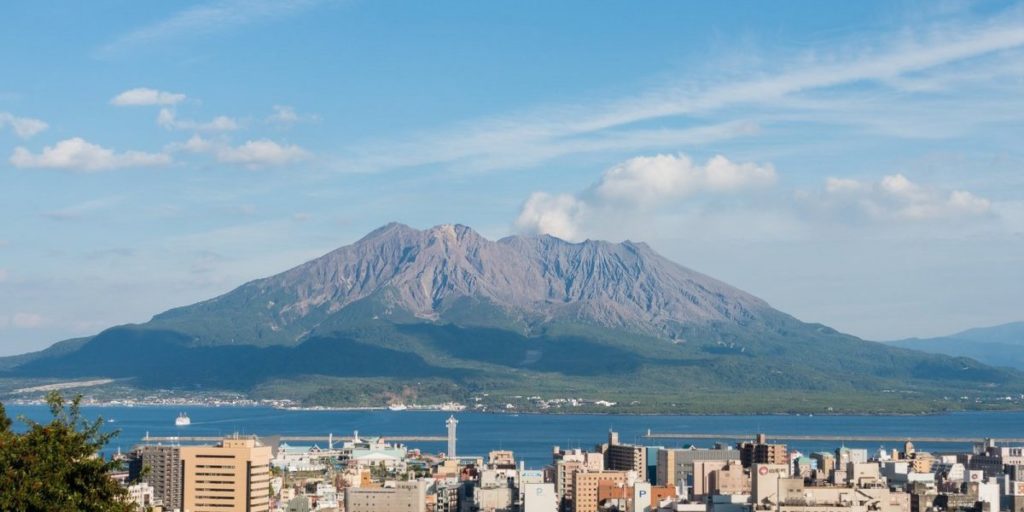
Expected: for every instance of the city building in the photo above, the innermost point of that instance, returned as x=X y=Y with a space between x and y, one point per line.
x=234 y=475
x=539 y=497
x=585 y=485
x=625 y=457
x=163 y=473
x=760 y=451
x=403 y=496
x=675 y=465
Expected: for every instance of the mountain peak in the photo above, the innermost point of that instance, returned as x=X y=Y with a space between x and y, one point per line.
x=530 y=281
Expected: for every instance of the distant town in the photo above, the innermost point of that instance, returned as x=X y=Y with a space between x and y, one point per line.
x=360 y=473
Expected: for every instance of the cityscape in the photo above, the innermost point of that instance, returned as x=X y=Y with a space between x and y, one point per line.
x=373 y=474
x=528 y=256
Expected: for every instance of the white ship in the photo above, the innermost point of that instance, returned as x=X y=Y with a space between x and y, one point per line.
x=182 y=420
x=397 y=407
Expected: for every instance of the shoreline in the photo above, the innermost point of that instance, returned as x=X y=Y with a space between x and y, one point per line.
x=496 y=411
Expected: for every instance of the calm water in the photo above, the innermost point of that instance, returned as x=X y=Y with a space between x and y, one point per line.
x=531 y=436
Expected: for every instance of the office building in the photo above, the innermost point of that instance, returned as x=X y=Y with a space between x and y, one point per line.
x=234 y=475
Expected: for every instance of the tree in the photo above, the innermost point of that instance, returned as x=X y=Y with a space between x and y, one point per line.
x=56 y=466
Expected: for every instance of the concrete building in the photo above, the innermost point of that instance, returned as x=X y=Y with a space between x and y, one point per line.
x=729 y=480
x=585 y=484
x=164 y=463
x=796 y=497
x=141 y=495
x=760 y=451
x=567 y=462
x=639 y=497
x=539 y=497
x=404 y=496
x=625 y=457
x=675 y=465
x=702 y=469
x=234 y=475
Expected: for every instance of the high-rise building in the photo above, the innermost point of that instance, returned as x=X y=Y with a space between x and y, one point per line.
x=625 y=457
x=760 y=452
x=160 y=467
x=234 y=475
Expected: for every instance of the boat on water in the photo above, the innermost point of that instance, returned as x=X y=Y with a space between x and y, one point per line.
x=182 y=420
x=397 y=407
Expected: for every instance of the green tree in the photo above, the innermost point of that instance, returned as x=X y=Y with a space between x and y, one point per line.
x=55 y=466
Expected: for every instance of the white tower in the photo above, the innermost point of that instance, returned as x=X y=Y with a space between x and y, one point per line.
x=452 y=423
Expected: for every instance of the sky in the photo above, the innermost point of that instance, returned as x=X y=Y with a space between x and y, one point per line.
x=857 y=164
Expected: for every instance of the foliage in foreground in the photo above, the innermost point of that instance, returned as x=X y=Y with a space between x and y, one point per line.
x=55 y=466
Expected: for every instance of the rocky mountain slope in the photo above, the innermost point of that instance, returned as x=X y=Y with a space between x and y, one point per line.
x=447 y=313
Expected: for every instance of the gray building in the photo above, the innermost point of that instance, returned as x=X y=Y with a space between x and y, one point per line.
x=675 y=465
x=162 y=468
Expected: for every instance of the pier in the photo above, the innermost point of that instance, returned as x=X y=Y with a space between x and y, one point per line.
x=830 y=437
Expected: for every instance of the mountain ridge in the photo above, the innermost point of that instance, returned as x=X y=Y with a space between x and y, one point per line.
x=997 y=345
x=444 y=309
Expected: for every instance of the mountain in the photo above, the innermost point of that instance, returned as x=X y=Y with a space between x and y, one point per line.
x=999 y=345
x=445 y=314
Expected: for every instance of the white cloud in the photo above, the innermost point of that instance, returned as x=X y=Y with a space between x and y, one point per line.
x=896 y=198
x=283 y=114
x=252 y=154
x=168 y=119
x=646 y=179
x=24 y=127
x=640 y=183
x=77 y=154
x=143 y=96
x=546 y=214
x=286 y=116
x=27 y=320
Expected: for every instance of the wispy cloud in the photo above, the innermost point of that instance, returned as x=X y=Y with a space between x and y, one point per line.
x=83 y=209
x=202 y=20
x=77 y=154
x=23 y=320
x=252 y=154
x=894 y=198
x=23 y=127
x=168 y=119
x=624 y=124
x=143 y=96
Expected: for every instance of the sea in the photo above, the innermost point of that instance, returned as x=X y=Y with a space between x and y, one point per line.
x=533 y=436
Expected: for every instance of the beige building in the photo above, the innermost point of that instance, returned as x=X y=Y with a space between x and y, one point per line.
x=404 y=496
x=566 y=462
x=233 y=476
x=729 y=480
x=585 y=485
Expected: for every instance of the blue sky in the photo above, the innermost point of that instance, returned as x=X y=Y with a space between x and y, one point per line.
x=857 y=164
